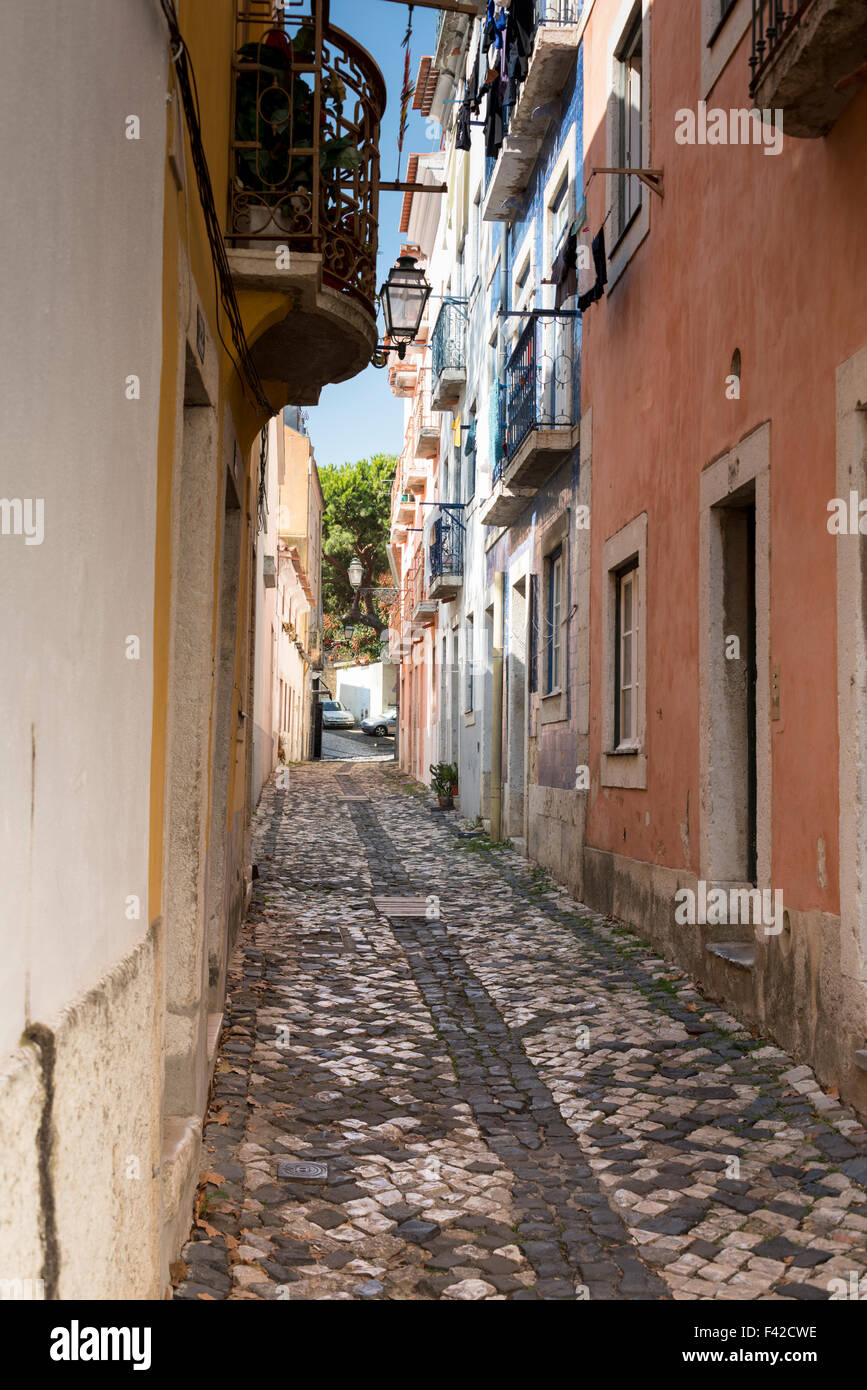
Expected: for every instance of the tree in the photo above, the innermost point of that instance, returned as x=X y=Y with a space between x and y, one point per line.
x=355 y=523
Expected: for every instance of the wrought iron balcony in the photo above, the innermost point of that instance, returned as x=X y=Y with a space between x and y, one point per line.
x=448 y=357
x=446 y=556
x=539 y=410
x=307 y=101
x=805 y=60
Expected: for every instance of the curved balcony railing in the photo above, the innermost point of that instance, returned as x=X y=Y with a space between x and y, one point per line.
x=306 y=111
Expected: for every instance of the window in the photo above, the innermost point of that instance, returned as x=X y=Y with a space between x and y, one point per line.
x=624 y=656
x=723 y=25
x=626 y=659
x=554 y=624
x=627 y=95
x=469 y=455
x=468 y=656
x=722 y=10
x=560 y=211
x=475 y=239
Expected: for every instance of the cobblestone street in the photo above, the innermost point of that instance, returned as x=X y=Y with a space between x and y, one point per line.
x=515 y=1101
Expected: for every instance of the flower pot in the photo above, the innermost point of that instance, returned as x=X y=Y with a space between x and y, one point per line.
x=446 y=802
x=258 y=217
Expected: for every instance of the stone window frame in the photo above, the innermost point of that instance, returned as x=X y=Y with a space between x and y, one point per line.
x=749 y=461
x=554 y=706
x=469 y=673
x=630 y=237
x=851 y=617
x=626 y=767
x=566 y=165
x=720 y=40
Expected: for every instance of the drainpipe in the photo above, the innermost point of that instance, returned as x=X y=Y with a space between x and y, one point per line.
x=497 y=712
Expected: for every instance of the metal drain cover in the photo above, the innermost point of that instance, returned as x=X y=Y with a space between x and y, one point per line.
x=310 y=1172
x=401 y=907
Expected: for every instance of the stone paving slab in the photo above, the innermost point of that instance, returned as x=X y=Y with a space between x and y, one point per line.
x=512 y=1096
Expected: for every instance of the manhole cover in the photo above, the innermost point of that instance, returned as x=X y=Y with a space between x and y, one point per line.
x=401 y=907
x=315 y=1172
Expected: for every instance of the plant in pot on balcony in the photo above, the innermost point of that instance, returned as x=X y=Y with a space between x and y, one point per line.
x=444 y=781
x=274 y=114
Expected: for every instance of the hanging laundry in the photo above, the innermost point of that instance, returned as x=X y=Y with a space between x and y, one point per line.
x=522 y=20
x=463 y=140
x=600 y=263
x=565 y=271
x=494 y=121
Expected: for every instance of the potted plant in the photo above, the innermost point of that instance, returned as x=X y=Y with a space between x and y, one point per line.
x=444 y=781
x=274 y=114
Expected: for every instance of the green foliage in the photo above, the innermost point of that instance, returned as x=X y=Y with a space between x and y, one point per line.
x=444 y=778
x=355 y=522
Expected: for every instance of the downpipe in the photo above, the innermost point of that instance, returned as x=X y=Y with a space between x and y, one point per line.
x=497 y=711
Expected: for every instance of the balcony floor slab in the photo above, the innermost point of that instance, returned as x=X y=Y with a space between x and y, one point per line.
x=326 y=336
x=540 y=455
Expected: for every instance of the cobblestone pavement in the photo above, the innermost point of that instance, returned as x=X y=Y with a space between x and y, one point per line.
x=353 y=745
x=515 y=1101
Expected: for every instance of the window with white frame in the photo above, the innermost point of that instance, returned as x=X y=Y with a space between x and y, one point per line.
x=626 y=694
x=468 y=673
x=560 y=213
x=627 y=109
x=475 y=238
x=554 y=623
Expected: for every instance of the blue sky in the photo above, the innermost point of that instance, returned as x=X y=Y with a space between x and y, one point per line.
x=361 y=417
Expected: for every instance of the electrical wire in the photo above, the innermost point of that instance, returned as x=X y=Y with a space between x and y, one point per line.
x=223 y=285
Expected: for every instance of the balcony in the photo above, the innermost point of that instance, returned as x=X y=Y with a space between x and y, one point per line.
x=307 y=102
x=451 y=33
x=404 y=514
x=420 y=610
x=446 y=557
x=416 y=472
x=448 y=357
x=539 y=428
x=804 y=60
x=555 y=51
x=424 y=430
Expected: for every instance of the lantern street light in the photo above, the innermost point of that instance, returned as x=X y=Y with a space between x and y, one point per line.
x=404 y=297
x=356 y=572
x=348 y=628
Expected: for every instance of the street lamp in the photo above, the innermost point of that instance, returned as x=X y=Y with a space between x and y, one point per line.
x=404 y=296
x=348 y=629
x=356 y=572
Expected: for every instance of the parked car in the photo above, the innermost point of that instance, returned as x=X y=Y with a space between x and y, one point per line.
x=336 y=716
x=379 y=725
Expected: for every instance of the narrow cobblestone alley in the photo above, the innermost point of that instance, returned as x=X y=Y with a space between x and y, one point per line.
x=515 y=1101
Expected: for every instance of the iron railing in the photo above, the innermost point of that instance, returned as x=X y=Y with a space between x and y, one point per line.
x=543 y=379
x=446 y=546
x=422 y=417
x=449 y=342
x=306 y=109
x=773 y=22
